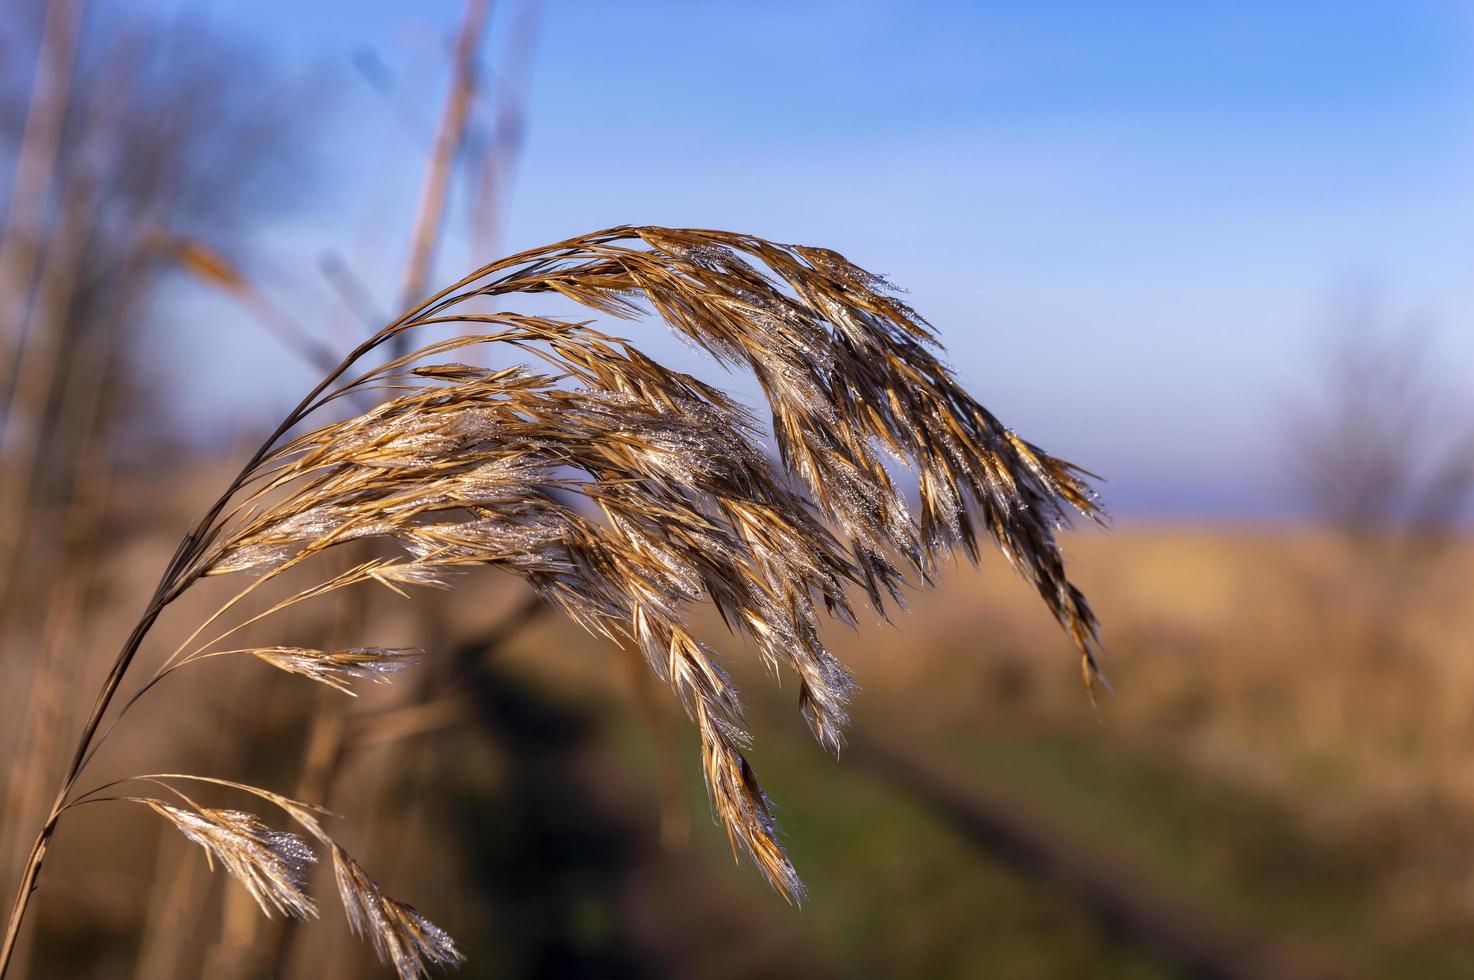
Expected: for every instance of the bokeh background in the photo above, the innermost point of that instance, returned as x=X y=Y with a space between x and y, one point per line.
x=1218 y=254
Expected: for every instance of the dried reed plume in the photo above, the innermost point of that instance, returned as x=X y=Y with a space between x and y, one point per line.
x=623 y=493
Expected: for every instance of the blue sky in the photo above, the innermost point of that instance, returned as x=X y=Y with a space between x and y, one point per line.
x=1128 y=221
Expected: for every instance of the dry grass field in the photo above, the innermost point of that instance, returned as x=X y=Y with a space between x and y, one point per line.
x=1286 y=754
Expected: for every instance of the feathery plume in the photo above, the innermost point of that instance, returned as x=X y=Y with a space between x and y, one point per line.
x=625 y=493
x=273 y=867
x=464 y=466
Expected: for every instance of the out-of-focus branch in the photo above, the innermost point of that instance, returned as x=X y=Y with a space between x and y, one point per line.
x=499 y=161
x=1370 y=445
x=209 y=266
x=442 y=158
x=351 y=290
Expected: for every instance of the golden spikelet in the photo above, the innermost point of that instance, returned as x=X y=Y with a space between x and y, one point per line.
x=402 y=937
x=336 y=668
x=272 y=865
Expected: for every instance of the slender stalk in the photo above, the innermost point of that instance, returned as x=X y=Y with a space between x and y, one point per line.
x=177 y=576
x=37 y=856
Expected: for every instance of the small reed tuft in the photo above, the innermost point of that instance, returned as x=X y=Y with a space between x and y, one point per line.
x=270 y=864
x=401 y=935
x=336 y=668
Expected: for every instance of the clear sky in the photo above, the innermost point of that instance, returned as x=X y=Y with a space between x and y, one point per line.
x=1128 y=221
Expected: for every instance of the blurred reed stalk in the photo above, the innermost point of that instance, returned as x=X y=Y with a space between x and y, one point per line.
x=101 y=174
x=54 y=674
x=448 y=140
x=499 y=148
x=208 y=265
x=56 y=400
x=460 y=467
x=30 y=188
x=37 y=276
x=112 y=157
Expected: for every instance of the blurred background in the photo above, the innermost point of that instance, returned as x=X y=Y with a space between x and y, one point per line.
x=1218 y=254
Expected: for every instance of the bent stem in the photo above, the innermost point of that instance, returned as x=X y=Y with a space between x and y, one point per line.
x=29 y=880
x=178 y=575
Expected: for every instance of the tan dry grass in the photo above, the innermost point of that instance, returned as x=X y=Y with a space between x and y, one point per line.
x=1268 y=658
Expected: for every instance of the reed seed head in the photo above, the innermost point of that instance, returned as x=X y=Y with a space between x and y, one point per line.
x=625 y=493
